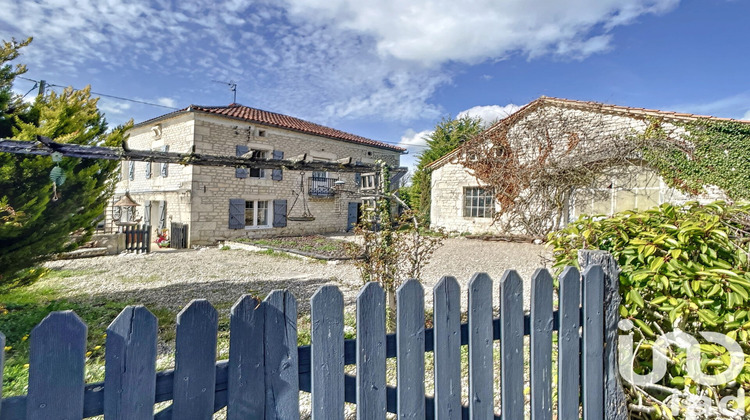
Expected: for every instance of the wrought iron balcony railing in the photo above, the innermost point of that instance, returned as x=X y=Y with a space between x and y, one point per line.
x=321 y=187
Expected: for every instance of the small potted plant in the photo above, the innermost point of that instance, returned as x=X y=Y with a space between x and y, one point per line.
x=161 y=239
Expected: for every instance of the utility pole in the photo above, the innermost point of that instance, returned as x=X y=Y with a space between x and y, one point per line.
x=42 y=87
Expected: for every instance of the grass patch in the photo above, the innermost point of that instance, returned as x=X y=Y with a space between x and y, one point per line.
x=278 y=254
x=25 y=307
x=333 y=248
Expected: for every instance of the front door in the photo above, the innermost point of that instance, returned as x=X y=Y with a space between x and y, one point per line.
x=352 y=216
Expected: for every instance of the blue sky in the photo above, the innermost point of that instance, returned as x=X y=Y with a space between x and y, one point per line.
x=389 y=69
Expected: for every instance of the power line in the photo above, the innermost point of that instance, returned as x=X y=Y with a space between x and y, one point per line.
x=120 y=98
x=38 y=82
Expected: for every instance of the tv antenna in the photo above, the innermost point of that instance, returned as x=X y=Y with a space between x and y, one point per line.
x=232 y=86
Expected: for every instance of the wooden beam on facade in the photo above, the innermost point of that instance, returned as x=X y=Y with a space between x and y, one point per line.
x=45 y=147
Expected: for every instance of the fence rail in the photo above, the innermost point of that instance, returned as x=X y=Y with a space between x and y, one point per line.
x=266 y=369
x=137 y=238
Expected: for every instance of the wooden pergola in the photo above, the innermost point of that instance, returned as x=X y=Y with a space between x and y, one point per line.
x=44 y=146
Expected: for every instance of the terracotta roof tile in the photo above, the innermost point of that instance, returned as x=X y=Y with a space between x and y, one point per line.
x=246 y=113
x=629 y=110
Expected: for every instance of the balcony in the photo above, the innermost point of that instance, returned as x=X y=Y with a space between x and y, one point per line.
x=321 y=187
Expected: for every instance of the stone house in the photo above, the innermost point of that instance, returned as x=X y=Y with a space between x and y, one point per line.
x=218 y=203
x=460 y=203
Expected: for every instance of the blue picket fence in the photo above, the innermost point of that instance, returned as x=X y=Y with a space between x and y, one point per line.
x=266 y=369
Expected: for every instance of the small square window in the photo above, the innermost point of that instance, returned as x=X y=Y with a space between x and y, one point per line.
x=478 y=202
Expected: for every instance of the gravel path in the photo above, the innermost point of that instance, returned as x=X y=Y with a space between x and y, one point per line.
x=171 y=279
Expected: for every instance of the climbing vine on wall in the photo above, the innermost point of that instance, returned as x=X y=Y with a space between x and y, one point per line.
x=537 y=161
x=700 y=153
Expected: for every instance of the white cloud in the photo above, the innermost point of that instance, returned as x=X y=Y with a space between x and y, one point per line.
x=416 y=141
x=167 y=102
x=318 y=59
x=730 y=107
x=436 y=31
x=113 y=108
x=490 y=113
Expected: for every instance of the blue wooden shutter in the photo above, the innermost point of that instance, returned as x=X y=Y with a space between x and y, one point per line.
x=357 y=180
x=164 y=166
x=351 y=217
x=236 y=213
x=147 y=211
x=277 y=174
x=241 y=172
x=162 y=214
x=148 y=170
x=279 y=213
x=131 y=170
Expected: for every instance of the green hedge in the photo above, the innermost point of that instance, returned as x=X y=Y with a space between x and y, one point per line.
x=683 y=267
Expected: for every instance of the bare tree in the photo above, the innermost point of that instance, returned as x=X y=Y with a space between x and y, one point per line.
x=537 y=161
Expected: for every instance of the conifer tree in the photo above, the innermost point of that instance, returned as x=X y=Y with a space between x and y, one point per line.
x=33 y=224
x=449 y=133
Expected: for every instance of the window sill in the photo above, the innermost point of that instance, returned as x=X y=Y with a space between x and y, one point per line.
x=257 y=227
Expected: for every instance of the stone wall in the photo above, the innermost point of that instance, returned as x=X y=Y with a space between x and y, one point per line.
x=177 y=134
x=446 y=211
x=199 y=195
x=642 y=189
x=213 y=187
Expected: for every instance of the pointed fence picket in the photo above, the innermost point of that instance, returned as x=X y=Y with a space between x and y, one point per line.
x=568 y=344
x=371 y=395
x=246 y=395
x=447 y=320
x=130 y=365
x=481 y=395
x=327 y=354
x=541 y=346
x=266 y=369
x=410 y=342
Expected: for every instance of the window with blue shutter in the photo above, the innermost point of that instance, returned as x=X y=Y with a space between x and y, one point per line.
x=357 y=180
x=279 y=213
x=131 y=170
x=164 y=166
x=148 y=170
x=239 y=151
x=277 y=174
x=236 y=213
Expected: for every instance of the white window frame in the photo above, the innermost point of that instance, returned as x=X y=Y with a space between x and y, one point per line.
x=484 y=211
x=368 y=181
x=369 y=203
x=269 y=215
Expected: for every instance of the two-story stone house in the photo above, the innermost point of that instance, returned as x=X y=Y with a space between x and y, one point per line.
x=219 y=203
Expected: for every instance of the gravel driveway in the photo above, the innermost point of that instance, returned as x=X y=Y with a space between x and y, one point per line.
x=171 y=279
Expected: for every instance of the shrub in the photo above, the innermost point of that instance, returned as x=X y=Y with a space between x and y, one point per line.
x=682 y=268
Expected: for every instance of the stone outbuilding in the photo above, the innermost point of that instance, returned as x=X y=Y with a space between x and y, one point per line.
x=219 y=203
x=461 y=203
